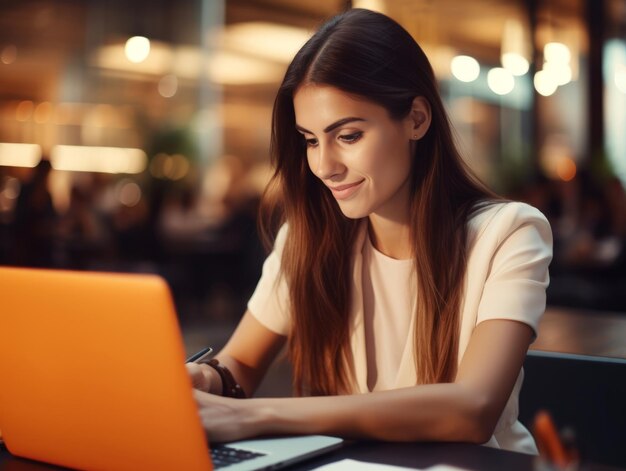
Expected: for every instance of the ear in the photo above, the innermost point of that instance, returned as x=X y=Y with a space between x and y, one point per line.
x=419 y=118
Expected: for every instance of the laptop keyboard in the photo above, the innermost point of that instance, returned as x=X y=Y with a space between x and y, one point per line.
x=223 y=456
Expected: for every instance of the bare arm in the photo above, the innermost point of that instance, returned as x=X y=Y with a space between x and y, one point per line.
x=248 y=354
x=465 y=410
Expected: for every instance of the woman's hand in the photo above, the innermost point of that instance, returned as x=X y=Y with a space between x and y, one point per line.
x=227 y=419
x=204 y=378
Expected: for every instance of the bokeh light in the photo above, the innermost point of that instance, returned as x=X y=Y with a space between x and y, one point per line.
x=465 y=68
x=137 y=49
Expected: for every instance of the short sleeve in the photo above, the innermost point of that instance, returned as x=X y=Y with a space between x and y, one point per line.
x=515 y=288
x=269 y=303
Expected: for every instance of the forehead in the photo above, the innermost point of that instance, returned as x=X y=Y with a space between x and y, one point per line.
x=320 y=105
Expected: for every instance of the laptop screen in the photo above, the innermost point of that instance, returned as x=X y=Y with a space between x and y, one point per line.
x=92 y=372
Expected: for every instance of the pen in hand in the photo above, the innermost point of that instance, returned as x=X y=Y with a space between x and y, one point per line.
x=201 y=355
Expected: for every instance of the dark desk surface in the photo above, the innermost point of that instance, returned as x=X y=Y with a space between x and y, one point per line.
x=412 y=455
x=424 y=455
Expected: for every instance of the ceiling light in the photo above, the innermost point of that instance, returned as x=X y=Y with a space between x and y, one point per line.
x=98 y=159
x=374 y=5
x=236 y=69
x=20 y=155
x=270 y=41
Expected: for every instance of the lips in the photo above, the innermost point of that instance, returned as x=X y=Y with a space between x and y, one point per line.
x=342 y=192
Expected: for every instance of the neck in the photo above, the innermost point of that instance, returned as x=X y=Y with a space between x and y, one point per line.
x=390 y=237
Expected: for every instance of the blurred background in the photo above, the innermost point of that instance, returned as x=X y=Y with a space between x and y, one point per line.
x=134 y=135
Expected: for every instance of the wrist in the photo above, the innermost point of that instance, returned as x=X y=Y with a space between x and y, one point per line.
x=230 y=386
x=264 y=416
x=285 y=416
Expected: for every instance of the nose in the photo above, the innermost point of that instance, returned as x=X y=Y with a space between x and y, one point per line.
x=325 y=163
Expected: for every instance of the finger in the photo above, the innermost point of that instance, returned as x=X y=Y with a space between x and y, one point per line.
x=201 y=397
x=198 y=379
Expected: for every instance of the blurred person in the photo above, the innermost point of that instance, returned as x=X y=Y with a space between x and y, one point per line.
x=84 y=230
x=180 y=220
x=407 y=292
x=230 y=203
x=35 y=221
x=135 y=232
x=235 y=202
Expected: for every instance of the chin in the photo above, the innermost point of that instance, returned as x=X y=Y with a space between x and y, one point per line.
x=353 y=213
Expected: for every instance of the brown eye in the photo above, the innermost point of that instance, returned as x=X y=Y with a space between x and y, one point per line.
x=351 y=138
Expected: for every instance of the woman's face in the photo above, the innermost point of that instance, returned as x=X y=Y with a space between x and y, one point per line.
x=357 y=150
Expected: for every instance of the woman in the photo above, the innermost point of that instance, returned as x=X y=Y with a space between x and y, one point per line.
x=407 y=292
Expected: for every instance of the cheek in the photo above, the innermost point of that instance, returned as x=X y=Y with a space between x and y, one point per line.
x=388 y=156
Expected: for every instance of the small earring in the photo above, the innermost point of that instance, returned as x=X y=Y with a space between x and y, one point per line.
x=414 y=136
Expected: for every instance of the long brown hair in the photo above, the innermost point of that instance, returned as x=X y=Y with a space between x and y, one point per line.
x=369 y=55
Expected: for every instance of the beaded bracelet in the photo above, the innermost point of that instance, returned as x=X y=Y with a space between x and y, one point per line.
x=230 y=387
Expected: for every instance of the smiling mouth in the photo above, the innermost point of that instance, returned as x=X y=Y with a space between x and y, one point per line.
x=342 y=192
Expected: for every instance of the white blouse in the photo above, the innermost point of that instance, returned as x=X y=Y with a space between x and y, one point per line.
x=509 y=250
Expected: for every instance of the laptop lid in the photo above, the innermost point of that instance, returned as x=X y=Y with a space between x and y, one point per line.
x=92 y=375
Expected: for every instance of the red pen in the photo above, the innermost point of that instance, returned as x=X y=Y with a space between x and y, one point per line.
x=548 y=441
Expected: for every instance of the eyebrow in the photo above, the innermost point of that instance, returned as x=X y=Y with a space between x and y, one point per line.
x=333 y=126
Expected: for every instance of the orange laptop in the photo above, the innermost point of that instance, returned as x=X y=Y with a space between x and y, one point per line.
x=92 y=376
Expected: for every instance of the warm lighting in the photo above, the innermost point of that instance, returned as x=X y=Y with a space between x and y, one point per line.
x=561 y=73
x=556 y=52
x=465 y=68
x=238 y=69
x=168 y=86
x=515 y=63
x=566 y=169
x=441 y=59
x=137 y=49
x=98 y=159
x=91 y=115
x=158 y=62
x=556 y=70
x=43 y=112
x=269 y=41
x=8 y=55
x=374 y=5
x=223 y=67
x=244 y=53
x=10 y=188
x=20 y=155
x=556 y=157
x=620 y=78
x=515 y=48
x=24 y=110
x=128 y=193
x=500 y=81
x=69 y=114
x=170 y=167
x=545 y=83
